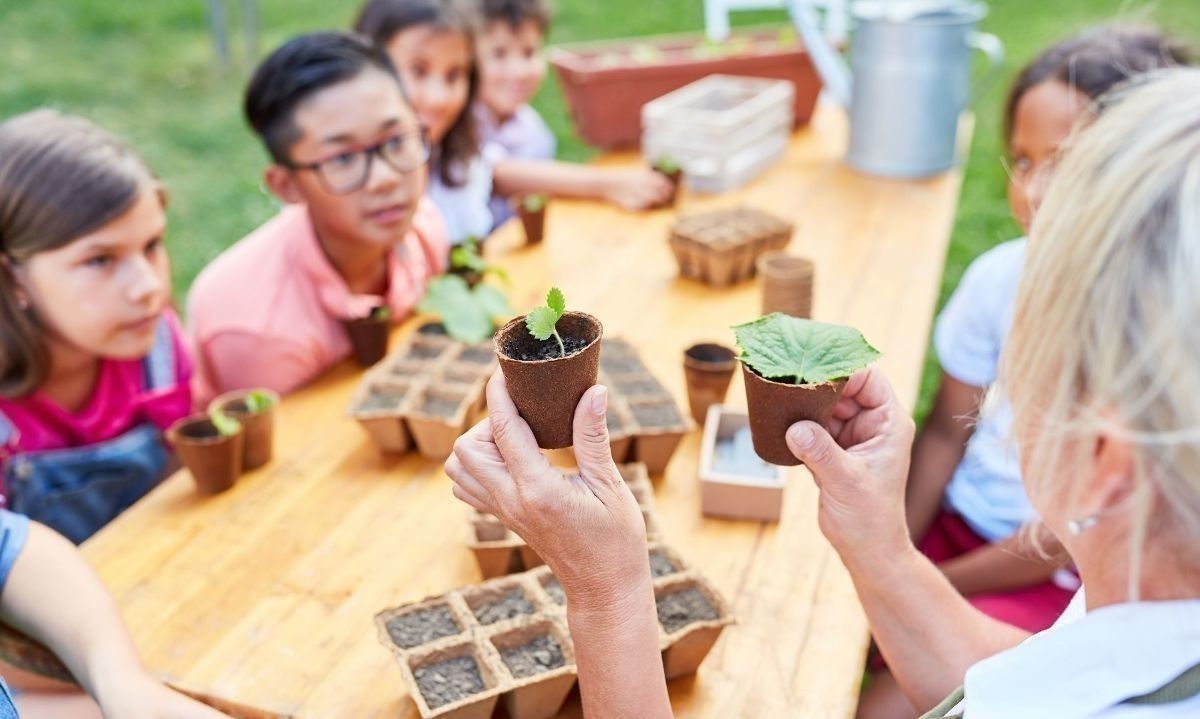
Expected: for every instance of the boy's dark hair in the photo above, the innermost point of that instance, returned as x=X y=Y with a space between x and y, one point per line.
x=382 y=20
x=1096 y=61
x=515 y=12
x=296 y=70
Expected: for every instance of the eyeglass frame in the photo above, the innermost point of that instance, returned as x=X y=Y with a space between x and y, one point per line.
x=371 y=152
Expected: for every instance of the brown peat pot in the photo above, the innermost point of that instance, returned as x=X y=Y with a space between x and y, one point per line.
x=546 y=391
x=259 y=427
x=369 y=337
x=215 y=460
x=775 y=406
x=534 y=222
x=709 y=370
x=676 y=178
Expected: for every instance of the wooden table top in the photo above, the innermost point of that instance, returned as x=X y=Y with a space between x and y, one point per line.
x=264 y=595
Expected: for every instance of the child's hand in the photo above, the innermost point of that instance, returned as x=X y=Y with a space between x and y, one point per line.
x=636 y=188
x=861 y=466
x=586 y=526
x=143 y=697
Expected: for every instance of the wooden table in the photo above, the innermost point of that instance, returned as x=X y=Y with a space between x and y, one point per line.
x=265 y=595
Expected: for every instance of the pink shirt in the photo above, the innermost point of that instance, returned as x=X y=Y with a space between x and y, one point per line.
x=127 y=393
x=268 y=311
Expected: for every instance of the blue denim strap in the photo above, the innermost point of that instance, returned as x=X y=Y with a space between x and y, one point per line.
x=159 y=366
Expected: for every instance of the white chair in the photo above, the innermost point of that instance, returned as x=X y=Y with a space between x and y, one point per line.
x=716 y=14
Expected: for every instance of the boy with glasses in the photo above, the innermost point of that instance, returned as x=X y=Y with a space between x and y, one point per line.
x=348 y=159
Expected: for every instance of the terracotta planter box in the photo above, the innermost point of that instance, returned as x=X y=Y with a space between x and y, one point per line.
x=730 y=494
x=719 y=248
x=379 y=405
x=691 y=617
x=605 y=85
x=546 y=391
x=438 y=416
x=215 y=460
x=542 y=694
x=775 y=406
x=259 y=427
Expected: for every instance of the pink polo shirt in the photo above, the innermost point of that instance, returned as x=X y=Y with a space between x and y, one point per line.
x=268 y=311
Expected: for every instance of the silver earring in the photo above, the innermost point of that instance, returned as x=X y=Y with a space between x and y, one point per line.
x=1078 y=526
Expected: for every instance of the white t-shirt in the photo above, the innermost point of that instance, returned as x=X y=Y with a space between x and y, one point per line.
x=465 y=207
x=1089 y=663
x=986 y=487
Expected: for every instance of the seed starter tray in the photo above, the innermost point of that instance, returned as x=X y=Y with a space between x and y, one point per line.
x=719 y=247
x=636 y=433
x=424 y=395
x=457 y=636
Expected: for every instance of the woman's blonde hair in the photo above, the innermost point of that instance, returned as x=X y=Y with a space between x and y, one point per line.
x=61 y=177
x=1106 y=332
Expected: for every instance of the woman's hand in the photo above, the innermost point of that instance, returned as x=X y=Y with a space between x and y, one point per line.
x=636 y=188
x=586 y=526
x=140 y=696
x=860 y=466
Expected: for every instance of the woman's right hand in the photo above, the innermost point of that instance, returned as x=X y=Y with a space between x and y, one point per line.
x=861 y=467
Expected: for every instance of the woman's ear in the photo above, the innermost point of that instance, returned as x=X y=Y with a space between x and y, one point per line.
x=282 y=183
x=1112 y=480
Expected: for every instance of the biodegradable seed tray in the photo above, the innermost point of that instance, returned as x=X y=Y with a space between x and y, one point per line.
x=644 y=423
x=499 y=552
x=521 y=654
x=424 y=395
x=719 y=247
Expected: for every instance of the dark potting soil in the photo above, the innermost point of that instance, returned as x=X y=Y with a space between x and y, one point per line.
x=423 y=352
x=384 y=398
x=618 y=364
x=433 y=328
x=661 y=565
x=658 y=414
x=440 y=405
x=236 y=407
x=199 y=430
x=477 y=355
x=513 y=604
x=640 y=386
x=544 y=350
x=449 y=681
x=554 y=588
x=538 y=656
x=679 y=609
x=413 y=630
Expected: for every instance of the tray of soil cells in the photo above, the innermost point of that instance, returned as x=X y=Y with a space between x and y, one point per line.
x=379 y=405
x=500 y=600
x=617 y=356
x=660 y=428
x=620 y=425
x=691 y=616
x=719 y=247
x=539 y=660
x=453 y=682
x=433 y=621
x=440 y=414
x=734 y=481
x=664 y=562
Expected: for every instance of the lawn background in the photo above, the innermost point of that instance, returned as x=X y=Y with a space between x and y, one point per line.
x=146 y=71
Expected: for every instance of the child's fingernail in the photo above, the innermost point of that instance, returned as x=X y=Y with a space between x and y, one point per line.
x=600 y=400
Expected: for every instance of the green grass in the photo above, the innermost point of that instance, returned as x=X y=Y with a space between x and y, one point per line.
x=146 y=71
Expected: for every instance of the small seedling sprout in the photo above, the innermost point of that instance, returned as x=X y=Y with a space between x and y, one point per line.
x=534 y=203
x=542 y=322
x=226 y=426
x=257 y=401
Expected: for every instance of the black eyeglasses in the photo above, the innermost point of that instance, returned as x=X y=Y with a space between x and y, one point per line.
x=349 y=171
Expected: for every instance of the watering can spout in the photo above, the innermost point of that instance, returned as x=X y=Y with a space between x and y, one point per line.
x=832 y=67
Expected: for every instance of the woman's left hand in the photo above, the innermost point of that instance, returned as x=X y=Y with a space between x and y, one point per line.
x=140 y=696
x=586 y=526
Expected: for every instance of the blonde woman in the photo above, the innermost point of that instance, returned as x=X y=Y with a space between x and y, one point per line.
x=1102 y=369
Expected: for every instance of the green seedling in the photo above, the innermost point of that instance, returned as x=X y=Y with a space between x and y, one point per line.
x=543 y=321
x=534 y=203
x=226 y=426
x=467 y=258
x=257 y=401
x=799 y=351
x=380 y=313
x=667 y=165
x=469 y=314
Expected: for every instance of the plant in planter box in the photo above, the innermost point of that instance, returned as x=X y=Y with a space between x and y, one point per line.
x=532 y=210
x=255 y=411
x=467 y=262
x=795 y=369
x=369 y=334
x=670 y=168
x=550 y=357
x=211 y=447
x=468 y=314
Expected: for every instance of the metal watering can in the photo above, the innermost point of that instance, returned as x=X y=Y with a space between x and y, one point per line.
x=911 y=80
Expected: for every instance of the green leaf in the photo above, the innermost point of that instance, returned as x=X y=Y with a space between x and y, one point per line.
x=667 y=165
x=541 y=322
x=466 y=319
x=556 y=302
x=257 y=401
x=533 y=203
x=227 y=426
x=493 y=302
x=802 y=351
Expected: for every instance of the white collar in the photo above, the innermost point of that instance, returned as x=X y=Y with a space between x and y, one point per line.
x=1082 y=668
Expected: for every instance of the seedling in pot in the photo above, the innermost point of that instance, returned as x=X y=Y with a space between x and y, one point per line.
x=670 y=168
x=254 y=411
x=369 y=334
x=226 y=426
x=210 y=446
x=547 y=379
x=467 y=261
x=795 y=369
x=533 y=217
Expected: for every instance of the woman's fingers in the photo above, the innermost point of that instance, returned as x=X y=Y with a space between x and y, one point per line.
x=469 y=499
x=459 y=474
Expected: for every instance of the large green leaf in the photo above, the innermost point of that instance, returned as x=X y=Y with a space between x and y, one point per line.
x=493 y=302
x=449 y=298
x=802 y=351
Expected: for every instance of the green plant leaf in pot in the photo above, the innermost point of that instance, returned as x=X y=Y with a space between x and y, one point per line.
x=452 y=301
x=667 y=165
x=799 y=351
x=534 y=203
x=226 y=426
x=493 y=302
x=542 y=322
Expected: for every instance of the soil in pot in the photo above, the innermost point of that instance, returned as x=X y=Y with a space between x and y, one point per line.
x=369 y=337
x=640 y=385
x=509 y=605
x=215 y=460
x=661 y=565
x=535 y=657
x=433 y=329
x=545 y=385
x=776 y=406
x=383 y=398
x=421 y=352
x=554 y=588
x=422 y=627
x=687 y=606
x=449 y=681
x=440 y=404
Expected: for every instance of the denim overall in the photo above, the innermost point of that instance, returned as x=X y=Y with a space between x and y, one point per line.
x=78 y=490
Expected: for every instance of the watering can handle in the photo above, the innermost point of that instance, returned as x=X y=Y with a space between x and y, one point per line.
x=835 y=73
x=993 y=49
